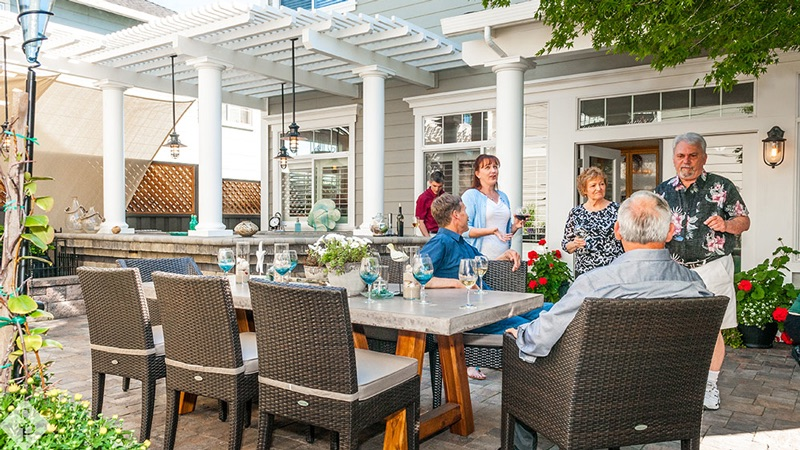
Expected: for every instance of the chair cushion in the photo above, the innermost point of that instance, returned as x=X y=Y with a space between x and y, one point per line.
x=249 y=352
x=483 y=340
x=158 y=339
x=377 y=372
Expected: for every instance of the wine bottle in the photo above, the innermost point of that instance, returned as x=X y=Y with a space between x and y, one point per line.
x=400 y=219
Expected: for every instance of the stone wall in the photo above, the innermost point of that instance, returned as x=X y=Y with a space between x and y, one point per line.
x=61 y=296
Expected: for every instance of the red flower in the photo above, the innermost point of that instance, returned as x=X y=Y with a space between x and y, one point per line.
x=543 y=281
x=532 y=284
x=550 y=265
x=785 y=338
x=745 y=285
x=530 y=262
x=557 y=253
x=542 y=242
x=532 y=255
x=780 y=314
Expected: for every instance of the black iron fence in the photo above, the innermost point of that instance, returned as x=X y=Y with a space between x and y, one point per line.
x=64 y=260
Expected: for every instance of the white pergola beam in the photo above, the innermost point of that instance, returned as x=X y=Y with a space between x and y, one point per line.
x=263 y=67
x=360 y=57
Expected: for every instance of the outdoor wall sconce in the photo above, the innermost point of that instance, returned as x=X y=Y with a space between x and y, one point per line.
x=174 y=142
x=774 y=146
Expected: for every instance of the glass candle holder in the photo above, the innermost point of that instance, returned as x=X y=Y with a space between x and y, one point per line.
x=242 y=262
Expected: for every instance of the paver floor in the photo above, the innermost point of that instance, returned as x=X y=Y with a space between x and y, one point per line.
x=760 y=392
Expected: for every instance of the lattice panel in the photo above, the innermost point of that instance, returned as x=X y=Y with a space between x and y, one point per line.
x=241 y=197
x=165 y=189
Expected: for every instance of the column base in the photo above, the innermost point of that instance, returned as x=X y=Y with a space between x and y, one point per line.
x=108 y=228
x=210 y=233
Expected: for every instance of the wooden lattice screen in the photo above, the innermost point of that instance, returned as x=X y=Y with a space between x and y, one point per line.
x=241 y=197
x=165 y=189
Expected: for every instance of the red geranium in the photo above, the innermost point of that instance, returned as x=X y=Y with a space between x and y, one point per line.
x=785 y=338
x=530 y=262
x=542 y=242
x=551 y=265
x=532 y=255
x=780 y=314
x=557 y=252
x=543 y=281
x=745 y=285
x=532 y=284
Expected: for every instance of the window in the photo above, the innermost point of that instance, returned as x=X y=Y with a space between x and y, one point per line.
x=534 y=169
x=467 y=127
x=670 y=105
x=456 y=166
x=237 y=116
x=310 y=4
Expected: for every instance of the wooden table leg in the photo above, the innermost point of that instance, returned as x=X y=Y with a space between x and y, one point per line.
x=186 y=403
x=244 y=319
x=359 y=338
x=456 y=382
x=411 y=344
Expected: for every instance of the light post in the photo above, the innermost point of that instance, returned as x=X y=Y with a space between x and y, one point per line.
x=33 y=18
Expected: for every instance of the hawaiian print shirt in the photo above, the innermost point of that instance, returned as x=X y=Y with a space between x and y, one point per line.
x=710 y=194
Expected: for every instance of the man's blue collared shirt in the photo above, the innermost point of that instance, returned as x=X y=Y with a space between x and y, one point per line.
x=446 y=250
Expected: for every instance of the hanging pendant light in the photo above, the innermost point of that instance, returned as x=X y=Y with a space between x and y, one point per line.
x=174 y=142
x=283 y=154
x=293 y=136
x=5 y=142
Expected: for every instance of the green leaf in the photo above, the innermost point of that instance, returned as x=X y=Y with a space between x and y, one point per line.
x=28 y=177
x=757 y=293
x=33 y=342
x=30 y=188
x=52 y=343
x=36 y=258
x=13 y=356
x=39 y=330
x=21 y=304
x=740 y=295
x=36 y=221
x=45 y=203
x=39 y=314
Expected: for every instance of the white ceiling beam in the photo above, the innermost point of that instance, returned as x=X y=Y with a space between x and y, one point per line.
x=361 y=57
x=263 y=67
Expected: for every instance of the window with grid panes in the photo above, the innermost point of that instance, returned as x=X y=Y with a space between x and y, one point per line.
x=309 y=4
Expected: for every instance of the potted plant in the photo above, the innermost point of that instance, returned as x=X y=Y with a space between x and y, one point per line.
x=761 y=291
x=548 y=274
x=341 y=257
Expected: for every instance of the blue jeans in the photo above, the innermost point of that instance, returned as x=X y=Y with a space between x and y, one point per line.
x=512 y=322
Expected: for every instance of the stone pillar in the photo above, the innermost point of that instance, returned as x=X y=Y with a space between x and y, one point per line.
x=510 y=132
x=209 y=100
x=373 y=98
x=113 y=158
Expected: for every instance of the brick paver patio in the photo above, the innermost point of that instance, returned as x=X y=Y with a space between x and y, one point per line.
x=760 y=392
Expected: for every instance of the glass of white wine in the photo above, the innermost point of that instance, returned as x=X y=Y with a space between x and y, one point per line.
x=468 y=276
x=481 y=266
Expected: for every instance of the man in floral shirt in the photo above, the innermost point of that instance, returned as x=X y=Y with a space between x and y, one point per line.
x=708 y=213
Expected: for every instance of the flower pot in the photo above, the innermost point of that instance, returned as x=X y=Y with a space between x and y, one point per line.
x=350 y=279
x=314 y=273
x=755 y=337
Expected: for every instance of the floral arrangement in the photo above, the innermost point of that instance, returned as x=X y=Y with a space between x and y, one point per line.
x=779 y=315
x=761 y=292
x=334 y=251
x=63 y=421
x=547 y=273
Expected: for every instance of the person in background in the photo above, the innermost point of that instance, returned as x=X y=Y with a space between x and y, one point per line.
x=589 y=232
x=490 y=221
x=791 y=326
x=708 y=213
x=427 y=224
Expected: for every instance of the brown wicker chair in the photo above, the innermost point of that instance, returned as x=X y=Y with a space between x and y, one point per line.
x=205 y=353
x=309 y=370
x=121 y=337
x=625 y=372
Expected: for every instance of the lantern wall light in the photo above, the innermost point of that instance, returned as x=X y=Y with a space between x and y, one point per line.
x=774 y=147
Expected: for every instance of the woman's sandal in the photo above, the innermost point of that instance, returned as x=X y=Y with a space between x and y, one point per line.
x=475 y=373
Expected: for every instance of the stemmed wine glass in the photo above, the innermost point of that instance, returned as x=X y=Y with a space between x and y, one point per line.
x=481 y=266
x=422 y=268
x=468 y=276
x=283 y=263
x=226 y=259
x=581 y=233
x=292 y=260
x=370 y=269
x=415 y=224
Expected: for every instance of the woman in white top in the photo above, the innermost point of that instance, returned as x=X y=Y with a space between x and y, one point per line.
x=490 y=221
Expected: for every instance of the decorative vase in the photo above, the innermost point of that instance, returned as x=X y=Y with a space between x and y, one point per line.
x=350 y=279
x=755 y=337
x=245 y=228
x=315 y=273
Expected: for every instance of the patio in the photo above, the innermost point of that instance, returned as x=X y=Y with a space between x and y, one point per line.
x=760 y=404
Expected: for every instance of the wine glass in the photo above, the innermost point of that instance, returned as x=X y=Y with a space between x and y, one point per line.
x=468 y=276
x=370 y=269
x=522 y=213
x=280 y=248
x=283 y=263
x=292 y=260
x=422 y=268
x=581 y=233
x=226 y=259
x=481 y=266
x=415 y=224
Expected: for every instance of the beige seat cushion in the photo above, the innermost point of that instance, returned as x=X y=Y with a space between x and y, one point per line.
x=378 y=372
x=158 y=339
x=483 y=340
x=249 y=352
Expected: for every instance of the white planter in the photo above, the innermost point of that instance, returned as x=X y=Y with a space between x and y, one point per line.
x=350 y=280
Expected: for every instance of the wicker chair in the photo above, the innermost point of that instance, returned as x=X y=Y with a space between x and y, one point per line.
x=309 y=370
x=121 y=337
x=146 y=266
x=625 y=372
x=205 y=353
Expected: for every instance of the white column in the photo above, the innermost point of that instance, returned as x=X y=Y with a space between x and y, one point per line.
x=209 y=185
x=373 y=98
x=509 y=132
x=113 y=158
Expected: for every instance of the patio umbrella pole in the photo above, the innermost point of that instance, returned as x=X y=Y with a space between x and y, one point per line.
x=23 y=268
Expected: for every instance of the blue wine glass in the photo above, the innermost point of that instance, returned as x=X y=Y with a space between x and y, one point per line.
x=226 y=259
x=283 y=263
x=422 y=269
x=292 y=260
x=370 y=270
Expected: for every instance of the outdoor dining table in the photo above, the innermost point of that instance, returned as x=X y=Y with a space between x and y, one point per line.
x=444 y=317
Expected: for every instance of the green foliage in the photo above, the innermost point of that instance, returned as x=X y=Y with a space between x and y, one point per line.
x=732 y=338
x=762 y=289
x=546 y=273
x=69 y=422
x=334 y=251
x=741 y=37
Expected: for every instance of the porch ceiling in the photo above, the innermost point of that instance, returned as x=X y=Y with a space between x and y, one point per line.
x=254 y=44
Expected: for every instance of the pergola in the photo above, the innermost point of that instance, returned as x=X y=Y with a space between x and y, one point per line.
x=241 y=54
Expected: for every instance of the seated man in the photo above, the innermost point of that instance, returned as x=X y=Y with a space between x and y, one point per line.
x=448 y=248
x=792 y=327
x=645 y=270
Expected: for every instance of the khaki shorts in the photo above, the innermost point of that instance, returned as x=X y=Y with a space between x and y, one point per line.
x=718 y=277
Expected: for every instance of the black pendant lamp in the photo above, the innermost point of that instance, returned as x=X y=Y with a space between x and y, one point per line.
x=174 y=142
x=293 y=136
x=283 y=154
